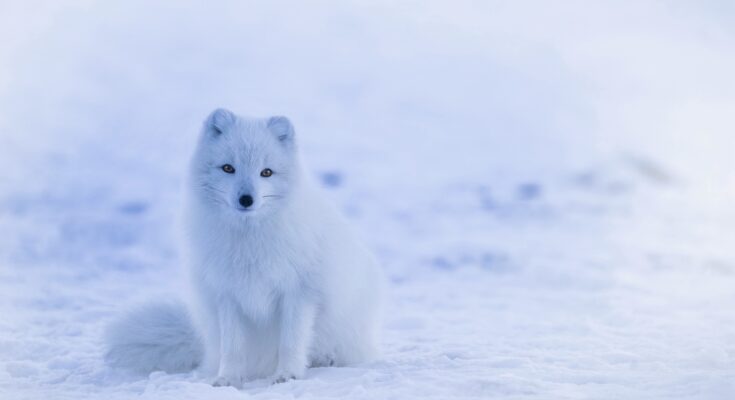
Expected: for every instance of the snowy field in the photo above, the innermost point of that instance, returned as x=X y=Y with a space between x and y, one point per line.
x=549 y=185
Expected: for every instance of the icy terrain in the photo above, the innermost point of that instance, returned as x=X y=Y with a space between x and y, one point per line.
x=549 y=187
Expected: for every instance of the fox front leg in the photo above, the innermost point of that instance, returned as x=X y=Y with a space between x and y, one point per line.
x=297 y=324
x=232 y=346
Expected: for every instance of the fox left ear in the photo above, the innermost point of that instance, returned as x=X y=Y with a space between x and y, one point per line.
x=282 y=128
x=219 y=120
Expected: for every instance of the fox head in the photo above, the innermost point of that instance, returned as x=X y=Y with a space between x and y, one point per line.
x=245 y=166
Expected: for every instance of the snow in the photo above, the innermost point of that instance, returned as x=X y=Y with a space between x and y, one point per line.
x=549 y=186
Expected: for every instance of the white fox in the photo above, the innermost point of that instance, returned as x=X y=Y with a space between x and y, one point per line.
x=279 y=282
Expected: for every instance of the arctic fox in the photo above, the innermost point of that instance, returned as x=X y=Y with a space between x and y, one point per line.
x=279 y=282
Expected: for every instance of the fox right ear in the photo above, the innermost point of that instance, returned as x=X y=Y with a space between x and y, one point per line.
x=219 y=120
x=282 y=128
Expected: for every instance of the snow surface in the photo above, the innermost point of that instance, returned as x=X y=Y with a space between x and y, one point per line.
x=549 y=185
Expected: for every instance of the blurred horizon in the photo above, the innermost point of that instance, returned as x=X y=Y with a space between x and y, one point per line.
x=570 y=87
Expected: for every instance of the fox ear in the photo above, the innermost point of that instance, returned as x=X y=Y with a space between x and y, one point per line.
x=219 y=120
x=282 y=128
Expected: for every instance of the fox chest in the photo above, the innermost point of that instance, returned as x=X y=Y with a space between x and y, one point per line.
x=255 y=279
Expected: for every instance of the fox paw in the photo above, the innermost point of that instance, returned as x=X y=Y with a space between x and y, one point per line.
x=227 y=381
x=322 y=361
x=282 y=377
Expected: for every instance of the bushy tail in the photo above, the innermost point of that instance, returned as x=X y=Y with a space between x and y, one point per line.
x=157 y=336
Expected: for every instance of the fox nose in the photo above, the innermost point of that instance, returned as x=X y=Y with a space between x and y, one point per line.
x=246 y=200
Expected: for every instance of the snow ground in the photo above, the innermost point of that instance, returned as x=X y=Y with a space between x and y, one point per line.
x=549 y=187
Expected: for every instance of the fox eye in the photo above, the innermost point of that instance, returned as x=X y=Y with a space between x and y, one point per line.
x=228 y=168
x=266 y=173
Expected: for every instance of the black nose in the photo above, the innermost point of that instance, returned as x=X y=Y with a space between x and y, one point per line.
x=246 y=200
